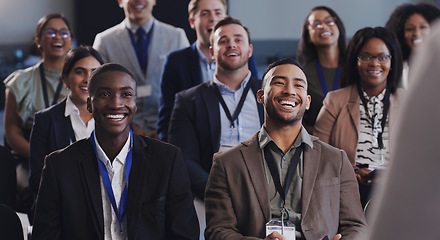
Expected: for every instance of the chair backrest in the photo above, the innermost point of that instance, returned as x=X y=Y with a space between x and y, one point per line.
x=10 y=225
x=8 y=178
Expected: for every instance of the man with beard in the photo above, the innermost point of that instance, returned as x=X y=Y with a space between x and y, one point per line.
x=193 y=65
x=219 y=114
x=283 y=174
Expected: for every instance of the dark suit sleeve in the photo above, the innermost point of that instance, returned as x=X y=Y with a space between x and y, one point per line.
x=183 y=134
x=181 y=216
x=351 y=217
x=47 y=221
x=252 y=64
x=169 y=86
x=38 y=143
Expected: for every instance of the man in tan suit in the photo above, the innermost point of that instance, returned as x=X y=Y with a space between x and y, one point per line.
x=321 y=195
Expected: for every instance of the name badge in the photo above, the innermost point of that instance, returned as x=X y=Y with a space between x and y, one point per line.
x=144 y=91
x=286 y=228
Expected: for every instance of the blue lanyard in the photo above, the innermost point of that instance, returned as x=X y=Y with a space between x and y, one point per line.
x=107 y=183
x=322 y=78
x=143 y=57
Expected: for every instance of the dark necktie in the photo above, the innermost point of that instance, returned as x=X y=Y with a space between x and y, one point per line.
x=141 y=38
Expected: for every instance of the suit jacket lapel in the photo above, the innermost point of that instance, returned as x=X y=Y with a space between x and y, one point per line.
x=140 y=165
x=91 y=176
x=213 y=110
x=62 y=127
x=128 y=50
x=256 y=85
x=194 y=63
x=252 y=157
x=311 y=161
x=353 y=108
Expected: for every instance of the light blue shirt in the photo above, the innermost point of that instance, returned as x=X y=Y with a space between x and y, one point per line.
x=207 y=69
x=248 y=121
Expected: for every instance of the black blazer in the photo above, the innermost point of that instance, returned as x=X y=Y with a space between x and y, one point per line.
x=181 y=71
x=159 y=205
x=51 y=131
x=195 y=127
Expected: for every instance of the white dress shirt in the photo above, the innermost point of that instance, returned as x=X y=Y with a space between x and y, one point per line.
x=116 y=172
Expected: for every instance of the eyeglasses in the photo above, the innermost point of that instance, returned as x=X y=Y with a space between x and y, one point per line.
x=330 y=21
x=52 y=33
x=382 y=58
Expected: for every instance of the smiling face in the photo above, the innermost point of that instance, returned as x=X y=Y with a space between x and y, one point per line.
x=78 y=77
x=137 y=11
x=374 y=74
x=231 y=48
x=416 y=30
x=284 y=95
x=321 y=30
x=113 y=103
x=208 y=13
x=54 y=47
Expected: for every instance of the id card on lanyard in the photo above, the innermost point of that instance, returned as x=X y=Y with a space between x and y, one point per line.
x=107 y=183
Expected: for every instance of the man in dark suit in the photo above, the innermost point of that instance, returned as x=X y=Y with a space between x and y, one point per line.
x=115 y=184
x=193 y=65
x=283 y=173
x=199 y=123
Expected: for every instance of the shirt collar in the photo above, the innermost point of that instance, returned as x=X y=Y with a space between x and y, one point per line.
x=122 y=155
x=303 y=137
x=133 y=27
x=201 y=55
x=224 y=88
x=70 y=108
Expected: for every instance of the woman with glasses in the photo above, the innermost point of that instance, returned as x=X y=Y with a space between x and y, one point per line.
x=321 y=52
x=68 y=121
x=359 y=117
x=36 y=87
x=412 y=24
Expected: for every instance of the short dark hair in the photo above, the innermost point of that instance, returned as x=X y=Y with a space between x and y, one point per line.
x=107 y=67
x=226 y=21
x=307 y=50
x=398 y=18
x=358 y=41
x=278 y=63
x=77 y=54
x=194 y=4
x=45 y=19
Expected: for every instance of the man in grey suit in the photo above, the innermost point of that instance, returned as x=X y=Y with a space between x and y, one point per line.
x=141 y=43
x=283 y=173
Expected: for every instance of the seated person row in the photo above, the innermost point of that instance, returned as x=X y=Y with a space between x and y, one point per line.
x=68 y=121
x=359 y=117
x=282 y=172
x=193 y=65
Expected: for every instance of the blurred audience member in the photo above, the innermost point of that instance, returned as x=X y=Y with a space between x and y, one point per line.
x=412 y=24
x=321 y=51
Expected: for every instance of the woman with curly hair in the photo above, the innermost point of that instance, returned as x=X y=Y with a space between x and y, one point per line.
x=412 y=24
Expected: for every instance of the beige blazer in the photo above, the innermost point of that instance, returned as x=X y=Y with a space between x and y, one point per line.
x=339 y=118
x=237 y=202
